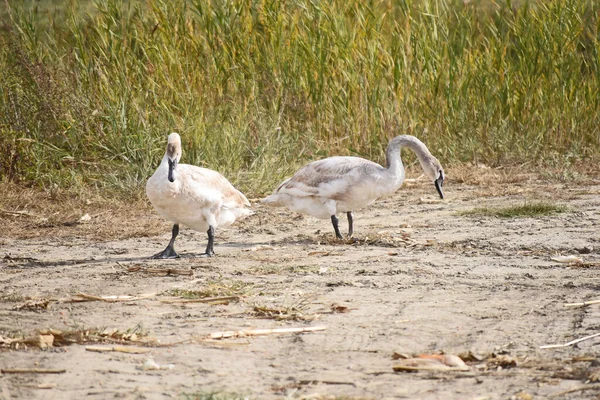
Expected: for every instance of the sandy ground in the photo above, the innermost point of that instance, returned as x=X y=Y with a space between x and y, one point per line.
x=420 y=278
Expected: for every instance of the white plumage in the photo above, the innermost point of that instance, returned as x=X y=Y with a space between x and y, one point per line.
x=199 y=198
x=343 y=184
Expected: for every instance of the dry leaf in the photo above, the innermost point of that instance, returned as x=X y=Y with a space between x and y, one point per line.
x=523 y=395
x=447 y=359
x=336 y=308
x=470 y=356
x=319 y=253
x=568 y=259
x=594 y=375
x=432 y=362
x=503 y=361
x=399 y=356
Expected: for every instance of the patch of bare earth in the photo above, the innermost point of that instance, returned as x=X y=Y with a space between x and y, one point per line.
x=285 y=310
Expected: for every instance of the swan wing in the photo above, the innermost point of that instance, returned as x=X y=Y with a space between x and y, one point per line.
x=209 y=186
x=330 y=177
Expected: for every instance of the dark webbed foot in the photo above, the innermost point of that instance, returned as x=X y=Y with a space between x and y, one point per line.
x=169 y=252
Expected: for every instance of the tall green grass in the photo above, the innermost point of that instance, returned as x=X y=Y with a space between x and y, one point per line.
x=257 y=88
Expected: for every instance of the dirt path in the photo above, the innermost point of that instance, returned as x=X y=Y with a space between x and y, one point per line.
x=421 y=279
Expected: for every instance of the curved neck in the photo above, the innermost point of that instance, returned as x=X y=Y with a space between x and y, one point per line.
x=393 y=161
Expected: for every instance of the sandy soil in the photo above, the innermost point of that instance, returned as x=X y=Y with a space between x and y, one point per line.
x=421 y=278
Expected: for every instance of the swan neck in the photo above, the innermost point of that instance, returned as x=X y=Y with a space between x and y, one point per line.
x=393 y=150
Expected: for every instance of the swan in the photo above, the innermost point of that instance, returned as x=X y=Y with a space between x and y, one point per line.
x=333 y=185
x=199 y=198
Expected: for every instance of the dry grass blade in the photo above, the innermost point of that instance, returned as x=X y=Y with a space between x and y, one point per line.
x=583 y=304
x=80 y=297
x=572 y=342
x=161 y=271
x=571 y=259
x=210 y=300
x=576 y=389
x=119 y=349
x=40 y=386
x=263 y=332
x=431 y=362
x=23 y=212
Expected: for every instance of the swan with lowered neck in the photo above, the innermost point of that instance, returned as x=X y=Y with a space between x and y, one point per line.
x=193 y=196
x=343 y=184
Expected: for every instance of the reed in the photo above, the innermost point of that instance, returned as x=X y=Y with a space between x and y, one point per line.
x=258 y=88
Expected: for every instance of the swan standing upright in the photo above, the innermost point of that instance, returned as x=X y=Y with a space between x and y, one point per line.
x=193 y=196
x=343 y=184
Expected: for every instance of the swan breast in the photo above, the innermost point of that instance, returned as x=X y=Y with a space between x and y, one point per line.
x=196 y=195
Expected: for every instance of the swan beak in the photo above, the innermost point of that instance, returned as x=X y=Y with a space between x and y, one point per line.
x=439 y=182
x=172 y=166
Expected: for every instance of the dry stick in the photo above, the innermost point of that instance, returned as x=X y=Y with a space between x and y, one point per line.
x=120 y=349
x=572 y=342
x=440 y=367
x=26 y=213
x=168 y=271
x=32 y=371
x=40 y=386
x=114 y=299
x=261 y=332
x=576 y=389
x=585 y=303
x=205 y=300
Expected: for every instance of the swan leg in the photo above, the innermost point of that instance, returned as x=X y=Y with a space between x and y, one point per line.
x=350 y=223
x=211 y=241
x=169 y=252
x=336 y=228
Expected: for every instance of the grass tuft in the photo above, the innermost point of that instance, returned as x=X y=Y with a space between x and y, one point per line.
x=531 y=210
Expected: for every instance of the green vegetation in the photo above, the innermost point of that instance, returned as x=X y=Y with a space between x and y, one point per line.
x=256 y=88
x=536 y=209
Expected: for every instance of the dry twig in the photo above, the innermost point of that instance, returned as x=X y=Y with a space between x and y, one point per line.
x=576 y=389
x=120 y=349
x=22 y=212
x=162 y=271
x=262 y=332
x=572 y=342
x=585 y=303
x=32 y=371
x=204 y=300
x=81 y=297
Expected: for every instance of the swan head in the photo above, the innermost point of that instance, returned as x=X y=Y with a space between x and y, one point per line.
x=173 y=154
x=433 y=169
